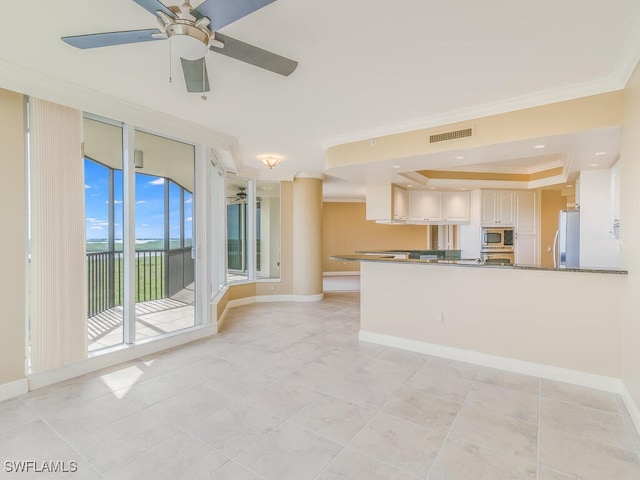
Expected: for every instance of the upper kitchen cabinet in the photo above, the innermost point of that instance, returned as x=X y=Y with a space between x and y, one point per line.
x=455 y=206
x=425 y=206
x=497 y=207
x=387 y=203
x=526 y=213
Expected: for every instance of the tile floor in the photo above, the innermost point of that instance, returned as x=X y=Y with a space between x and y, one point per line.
x=286 y=391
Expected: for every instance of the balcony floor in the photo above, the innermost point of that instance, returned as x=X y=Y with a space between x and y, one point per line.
x=153 y=318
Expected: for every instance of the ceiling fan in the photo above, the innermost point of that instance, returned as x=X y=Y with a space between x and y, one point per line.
x=240 y=196
x=193 y=32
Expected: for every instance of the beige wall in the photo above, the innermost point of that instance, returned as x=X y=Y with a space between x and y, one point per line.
x=12 y=274
x=345 y=230
x=587 y=113
x=552 y=202
x=563 y=319
x=630 y=235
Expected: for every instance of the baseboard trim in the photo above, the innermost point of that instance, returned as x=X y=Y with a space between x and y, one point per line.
x=632 y=406
x=13 y=389
x=238 y=302
x=119 y=354
x=576 y=377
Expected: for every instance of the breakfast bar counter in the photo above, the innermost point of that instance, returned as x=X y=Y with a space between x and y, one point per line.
x=521 y=318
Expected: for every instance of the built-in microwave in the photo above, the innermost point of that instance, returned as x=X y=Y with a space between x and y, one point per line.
x=497 y=237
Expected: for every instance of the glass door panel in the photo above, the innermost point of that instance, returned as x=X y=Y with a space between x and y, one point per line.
x=164 y=268
x=103 y=219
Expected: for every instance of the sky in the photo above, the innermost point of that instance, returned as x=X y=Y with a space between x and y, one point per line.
x=149 y=211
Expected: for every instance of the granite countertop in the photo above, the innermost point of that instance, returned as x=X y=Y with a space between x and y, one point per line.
x=387 y=256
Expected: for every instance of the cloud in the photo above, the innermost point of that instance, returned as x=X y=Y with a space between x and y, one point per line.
x=141 y=201
x=188 y=200
x=145 y=225
x=96 y=223
x=95 y=228
x=157 y=181
x=116 y=202
x=188 y=219
x=86 y=186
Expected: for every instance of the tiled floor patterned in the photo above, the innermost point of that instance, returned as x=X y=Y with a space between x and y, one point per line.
x=286 y=391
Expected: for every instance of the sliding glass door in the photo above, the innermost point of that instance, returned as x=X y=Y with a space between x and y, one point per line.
x=139 y=266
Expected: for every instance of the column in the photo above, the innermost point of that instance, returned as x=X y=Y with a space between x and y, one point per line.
x=307 y=234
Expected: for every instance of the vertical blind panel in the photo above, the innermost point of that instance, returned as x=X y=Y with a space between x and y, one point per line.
x=58 y=314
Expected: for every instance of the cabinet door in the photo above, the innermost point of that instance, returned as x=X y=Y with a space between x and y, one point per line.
x=434 y=205
x=525 y=250
x=400 y=203
x=526 y=213
x=489 y=202
x=417 y=206
x=455 y=206
x=504 y=201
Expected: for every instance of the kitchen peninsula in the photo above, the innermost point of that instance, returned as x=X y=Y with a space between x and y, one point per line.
x=533 y=320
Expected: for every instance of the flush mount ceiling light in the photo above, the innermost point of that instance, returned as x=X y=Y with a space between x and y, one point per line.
x=460 y=157
x=599 y=154
x=396 y=166
x=539 y=147
x=271 y=161
x=593 y=164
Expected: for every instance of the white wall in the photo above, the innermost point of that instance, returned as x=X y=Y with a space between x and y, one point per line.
x=598 y=247
x=569 y=320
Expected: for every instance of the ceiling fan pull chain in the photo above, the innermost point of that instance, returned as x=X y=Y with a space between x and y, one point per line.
x=204 y=68
x=170 y=66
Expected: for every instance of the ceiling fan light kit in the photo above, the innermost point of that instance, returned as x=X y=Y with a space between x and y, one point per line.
x=271 y=161
x=192 y=34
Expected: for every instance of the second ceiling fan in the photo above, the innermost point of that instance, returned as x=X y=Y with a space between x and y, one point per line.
x=193 y=32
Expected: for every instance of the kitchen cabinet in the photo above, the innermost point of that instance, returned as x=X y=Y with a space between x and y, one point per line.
x=526 y=227
x=497 y=207
x=387 y=203
x=526 y=213
x=455 y=206
x=400 y=204
x=436 y=206
x=526 y=248
x=425 y=206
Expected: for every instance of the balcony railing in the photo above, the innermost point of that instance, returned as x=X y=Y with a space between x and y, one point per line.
x=158 y=274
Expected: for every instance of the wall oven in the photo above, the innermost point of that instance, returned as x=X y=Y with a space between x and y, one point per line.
x=501 y=237
x=505 y=257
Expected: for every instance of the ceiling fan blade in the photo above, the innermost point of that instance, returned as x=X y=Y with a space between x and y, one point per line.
x=255 y=56
x=153 y=6
x=95 y=40
x=195 y=75
x=224 y=12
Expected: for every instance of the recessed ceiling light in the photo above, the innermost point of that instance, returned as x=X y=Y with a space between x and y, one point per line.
x=409 y=185
x=593 y=165
x=460 y=157
x=432 y=188
x=569 y=186
x=599 y=154
x=539 y=146
x=396 y=166
x=463 y=189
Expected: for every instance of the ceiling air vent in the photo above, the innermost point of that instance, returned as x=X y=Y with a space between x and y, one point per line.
x=443 y=137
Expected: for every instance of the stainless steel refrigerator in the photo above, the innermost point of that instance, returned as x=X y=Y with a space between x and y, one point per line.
x=566 y=246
